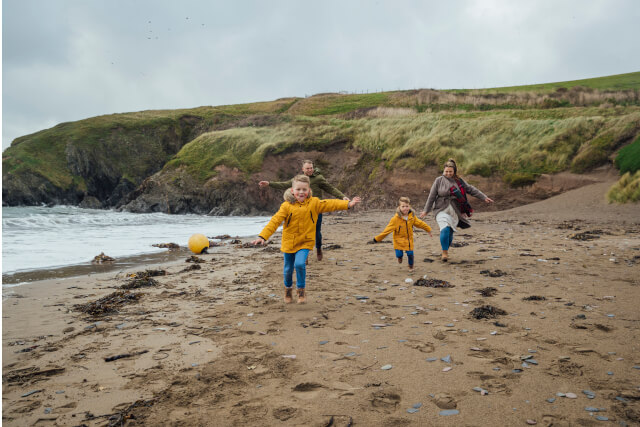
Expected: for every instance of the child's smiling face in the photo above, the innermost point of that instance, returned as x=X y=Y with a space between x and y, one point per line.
x=300 y=191
x=405 y=208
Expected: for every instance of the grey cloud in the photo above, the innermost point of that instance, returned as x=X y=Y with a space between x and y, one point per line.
x=71 y=59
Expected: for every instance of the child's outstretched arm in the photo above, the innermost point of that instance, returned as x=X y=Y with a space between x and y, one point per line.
x=387 y=230
x=421 y=224
x=272 y=226
x=330 y=205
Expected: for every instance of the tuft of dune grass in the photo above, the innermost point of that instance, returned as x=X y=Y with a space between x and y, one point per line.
x=626 y=190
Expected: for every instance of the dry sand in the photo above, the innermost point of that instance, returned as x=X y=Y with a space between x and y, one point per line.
x=218 y=346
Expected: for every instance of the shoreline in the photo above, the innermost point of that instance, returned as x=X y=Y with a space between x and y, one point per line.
x=218 y=343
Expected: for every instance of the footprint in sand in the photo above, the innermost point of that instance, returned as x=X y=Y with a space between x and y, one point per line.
x=284 y=413
x=385 y=400
x=423 y=347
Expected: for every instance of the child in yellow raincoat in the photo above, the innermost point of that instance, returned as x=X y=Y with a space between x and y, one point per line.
x=401 y=225
x=299 y=213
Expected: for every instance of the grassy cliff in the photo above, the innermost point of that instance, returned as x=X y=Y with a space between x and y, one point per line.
x=512 y=133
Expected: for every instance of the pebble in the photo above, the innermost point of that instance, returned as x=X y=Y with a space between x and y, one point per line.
x=561 y=394
x=289 y=356
x=551 y=399
x=532 y=351
x=447 y=369
x=386 y=367
x=47 y=410
x=323 y=342
x=609 y=373
x=592 y=409
x=31 y=392
x=428 y=322
x=60 y=392
x=350 y=354
x=447 y=412
x=494 y=332
x=516 y=371
x=528 y=356
x=571 y=395
x=408 y=280
x=412 y=410
x=417 y=405
x=601 y=418
x=476 y=349
x=432 y=359
x=589 y=393
x=636 y=367
x=611 y=315
x=525 y=365
x=531 y=422
x=480 y=339
x=446 y=359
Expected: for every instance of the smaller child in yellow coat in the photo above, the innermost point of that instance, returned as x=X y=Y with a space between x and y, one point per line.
x=402 y=225
x=299 y=213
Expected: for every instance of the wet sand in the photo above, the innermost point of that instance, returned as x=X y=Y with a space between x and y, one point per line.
x=218 y=346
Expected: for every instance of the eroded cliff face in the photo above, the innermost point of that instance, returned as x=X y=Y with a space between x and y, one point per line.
x=232 y=192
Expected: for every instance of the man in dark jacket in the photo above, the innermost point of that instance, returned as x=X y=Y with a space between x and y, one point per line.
x=318 y=185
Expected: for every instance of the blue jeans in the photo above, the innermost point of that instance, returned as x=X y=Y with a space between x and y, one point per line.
x=319 y=232
x=297 y=260
x=399 y=253
x=446 y=237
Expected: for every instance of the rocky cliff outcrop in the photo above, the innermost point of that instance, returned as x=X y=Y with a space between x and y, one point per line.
x=97 y=170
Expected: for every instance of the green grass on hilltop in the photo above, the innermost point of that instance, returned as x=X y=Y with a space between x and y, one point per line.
x=627 y=81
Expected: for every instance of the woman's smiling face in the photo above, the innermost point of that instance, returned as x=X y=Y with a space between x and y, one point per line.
x=448 y=172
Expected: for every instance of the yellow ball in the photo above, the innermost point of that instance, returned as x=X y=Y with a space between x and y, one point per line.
x=198 y=243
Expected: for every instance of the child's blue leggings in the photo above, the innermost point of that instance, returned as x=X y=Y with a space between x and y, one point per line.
x=297 y=260
x=409 y=255
x=446 y=237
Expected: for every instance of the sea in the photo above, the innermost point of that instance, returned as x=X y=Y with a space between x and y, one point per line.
x=56 y=242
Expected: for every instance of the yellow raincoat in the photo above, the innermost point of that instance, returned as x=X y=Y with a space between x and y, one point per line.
x=299 y=230
x=402 y=230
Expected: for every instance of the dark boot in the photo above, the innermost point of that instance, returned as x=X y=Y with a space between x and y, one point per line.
x=319 y=253
x=302 y=297
x=288 y=295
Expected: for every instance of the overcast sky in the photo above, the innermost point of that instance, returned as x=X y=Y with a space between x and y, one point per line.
x=65 y=60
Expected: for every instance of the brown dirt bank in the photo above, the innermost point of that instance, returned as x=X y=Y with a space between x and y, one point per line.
x=231 y=192
x=215 y=346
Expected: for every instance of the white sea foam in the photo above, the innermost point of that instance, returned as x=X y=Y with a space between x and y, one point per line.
x=36 y=238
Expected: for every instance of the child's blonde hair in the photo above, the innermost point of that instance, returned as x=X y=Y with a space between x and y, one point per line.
x=301 y=178
x=288 y=194
x=404 y=200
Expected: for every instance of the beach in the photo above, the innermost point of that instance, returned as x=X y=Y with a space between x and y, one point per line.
x=534 y=320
